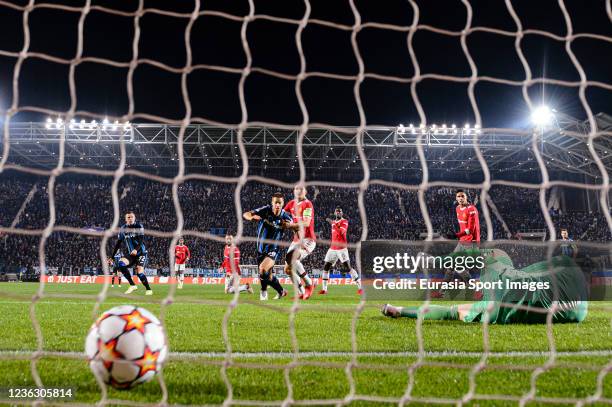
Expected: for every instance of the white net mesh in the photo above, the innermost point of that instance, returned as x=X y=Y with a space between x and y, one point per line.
x=422 y=358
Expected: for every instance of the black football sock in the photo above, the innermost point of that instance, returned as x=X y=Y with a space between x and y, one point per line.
x=276 y=285
x=143 y=279
x=127 y=275
x=263 y=280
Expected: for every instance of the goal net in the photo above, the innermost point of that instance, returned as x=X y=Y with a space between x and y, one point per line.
x=252 y=89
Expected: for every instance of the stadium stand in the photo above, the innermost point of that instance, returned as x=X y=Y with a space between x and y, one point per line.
x=392 y=214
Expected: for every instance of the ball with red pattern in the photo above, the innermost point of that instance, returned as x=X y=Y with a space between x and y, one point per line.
x=126 y=346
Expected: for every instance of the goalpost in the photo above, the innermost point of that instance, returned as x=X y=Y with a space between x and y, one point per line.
x=13 y=106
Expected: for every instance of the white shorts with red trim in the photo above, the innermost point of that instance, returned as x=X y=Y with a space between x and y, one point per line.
x=334 y=255
x=305 y=247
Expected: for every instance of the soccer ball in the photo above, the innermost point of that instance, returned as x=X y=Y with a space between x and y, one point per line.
x=126 y=346
x=123 y=262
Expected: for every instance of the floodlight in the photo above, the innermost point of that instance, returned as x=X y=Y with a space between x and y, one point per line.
x=542 y=116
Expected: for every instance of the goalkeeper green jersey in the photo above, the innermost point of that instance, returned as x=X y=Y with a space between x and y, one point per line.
x=566 y=288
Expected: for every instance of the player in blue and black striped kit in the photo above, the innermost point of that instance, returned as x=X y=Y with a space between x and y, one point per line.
x=131 y=236
x=568 y=247
x=273 y=221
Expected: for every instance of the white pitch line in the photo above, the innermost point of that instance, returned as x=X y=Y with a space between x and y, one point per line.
x=309 y=354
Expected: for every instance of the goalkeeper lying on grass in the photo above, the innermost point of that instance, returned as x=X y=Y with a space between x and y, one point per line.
x=502 y=306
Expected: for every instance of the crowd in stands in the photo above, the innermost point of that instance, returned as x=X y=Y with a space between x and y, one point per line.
x=87 y=204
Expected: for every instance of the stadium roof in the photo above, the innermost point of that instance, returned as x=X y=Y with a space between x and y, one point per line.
x=392 y=152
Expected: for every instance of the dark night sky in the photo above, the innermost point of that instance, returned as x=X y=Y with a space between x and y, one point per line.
x=215 y=40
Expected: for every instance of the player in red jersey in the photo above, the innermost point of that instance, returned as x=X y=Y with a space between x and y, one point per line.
x=338 y=251
x=181 y=256
x=467 y=216
x=232 y=268
x=304 y=240
x=469 y=238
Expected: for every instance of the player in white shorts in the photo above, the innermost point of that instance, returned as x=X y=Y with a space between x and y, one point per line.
x=181 y=256
x=233 y=269
x=304 y=240
x=338 y=251
x=334 y=255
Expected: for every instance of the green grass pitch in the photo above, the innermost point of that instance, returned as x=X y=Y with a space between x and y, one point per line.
x=323 y=324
